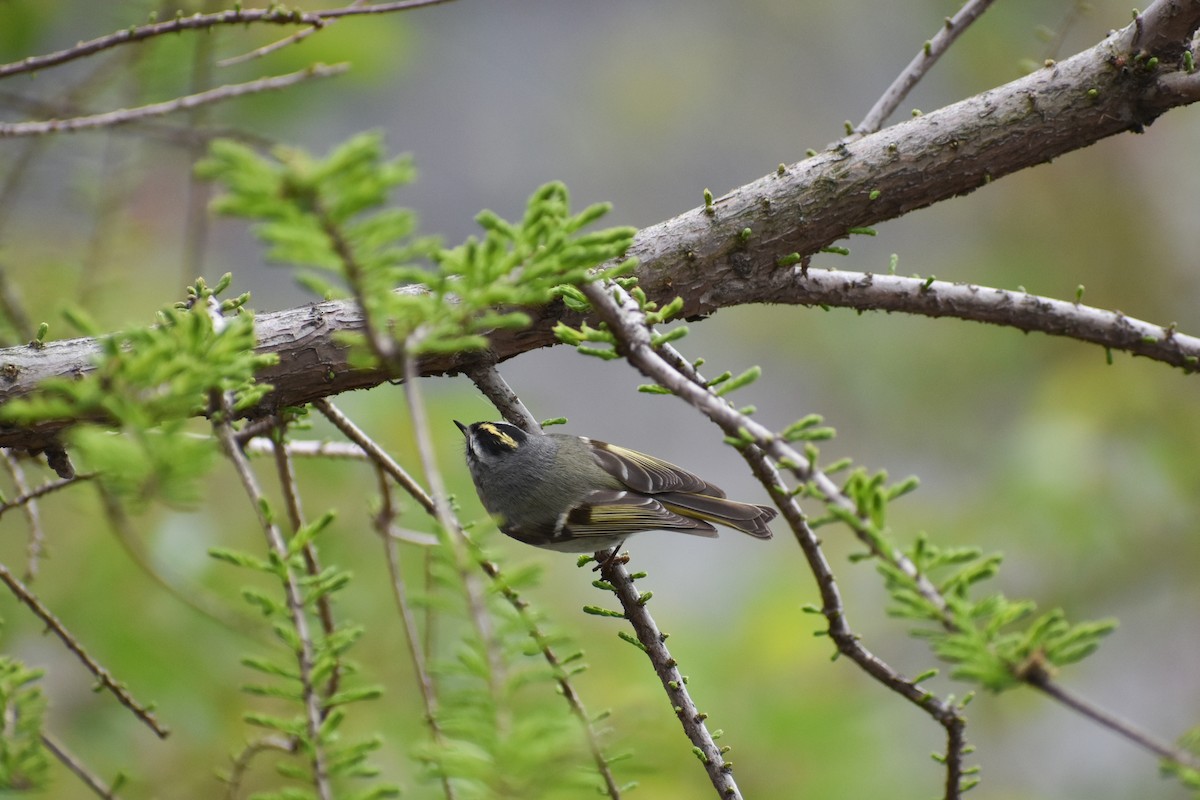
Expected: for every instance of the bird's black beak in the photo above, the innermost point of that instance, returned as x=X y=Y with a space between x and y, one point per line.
x=465 y=430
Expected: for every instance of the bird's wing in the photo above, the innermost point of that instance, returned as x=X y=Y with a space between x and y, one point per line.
x=644 y=473
x=608 y=512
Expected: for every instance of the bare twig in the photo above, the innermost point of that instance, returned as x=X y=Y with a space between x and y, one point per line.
x=381 y=346
x=307 y=448
x=653 y=642
x=169 y=133
x=295 y=38
x=455 y=535
x=417 y=655
x=26 y=500
x=933 y=49
x=312 y=562
x=241 y=763
x=75 y=765
x=276 y=15
x=123 y=116
x=103 y=676
x=314 y=713
x=867 y=291
x=559 y=670
x=377 y=454
x=1040 y=679
x=45 y=489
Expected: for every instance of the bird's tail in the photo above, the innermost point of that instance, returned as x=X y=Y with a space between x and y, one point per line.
x=745 y=517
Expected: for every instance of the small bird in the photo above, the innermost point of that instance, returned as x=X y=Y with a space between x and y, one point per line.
x=581 y=495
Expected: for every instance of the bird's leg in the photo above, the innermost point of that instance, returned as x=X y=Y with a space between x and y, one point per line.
x=606 y=559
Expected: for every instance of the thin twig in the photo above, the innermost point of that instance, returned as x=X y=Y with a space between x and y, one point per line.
x=103 y=676
x=305 y=657
x=951 y=29
x=276 y=15
x=241 y=764
x=295 y=38
x=1040 y=680
x=312 y=562
x=867 y=291
x=653 y=643
x=383 y=523
x=559 y=670
x=307 y=448
x=75 y=765
x=123 y=116
x=41 y=491
x=381 y=346
x=455 y=535
x=27 y=501
x=377 y=454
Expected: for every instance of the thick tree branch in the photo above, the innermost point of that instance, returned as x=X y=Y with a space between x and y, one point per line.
x=705 y=257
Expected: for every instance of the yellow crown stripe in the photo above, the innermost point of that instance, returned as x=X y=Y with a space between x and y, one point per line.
x=500 y=436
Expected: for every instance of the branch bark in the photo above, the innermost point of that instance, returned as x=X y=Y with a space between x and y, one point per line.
x=705 y=255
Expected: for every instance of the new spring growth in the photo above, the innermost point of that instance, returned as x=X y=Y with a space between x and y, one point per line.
x=39 y=339
x=808 y=429
x=708 y=202
x=745 y=379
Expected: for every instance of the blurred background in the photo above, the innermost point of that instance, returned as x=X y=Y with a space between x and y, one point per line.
x=1083 y=474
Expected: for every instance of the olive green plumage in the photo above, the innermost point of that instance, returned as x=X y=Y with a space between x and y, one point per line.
x=582 y=495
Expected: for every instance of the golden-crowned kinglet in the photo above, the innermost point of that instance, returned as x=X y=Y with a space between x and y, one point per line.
x=581 y=495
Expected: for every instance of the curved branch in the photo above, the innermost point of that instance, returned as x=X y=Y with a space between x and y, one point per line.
x=1021 y=310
